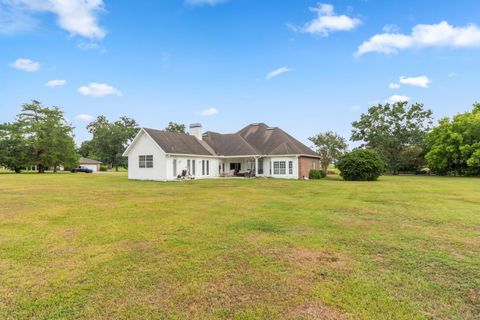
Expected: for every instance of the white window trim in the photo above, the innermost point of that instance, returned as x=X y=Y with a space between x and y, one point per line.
x=145 y=161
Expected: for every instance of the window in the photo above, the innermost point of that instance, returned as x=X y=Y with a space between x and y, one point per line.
x=203 y=167
x=260 y=166
x=145 y=161
x=279 y=167
x=174 y=167
x=282 y=167
x=290 y=167
x=188 y=167
x=193 y=167
x=276 y=167
x=251 y=165
x=208 y=167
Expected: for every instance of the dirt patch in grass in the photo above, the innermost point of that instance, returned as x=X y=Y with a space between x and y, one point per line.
x=70 y=233
x=315 y=311
x=308 y=258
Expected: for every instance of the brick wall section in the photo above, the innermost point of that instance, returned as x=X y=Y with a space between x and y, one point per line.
x=305 y=164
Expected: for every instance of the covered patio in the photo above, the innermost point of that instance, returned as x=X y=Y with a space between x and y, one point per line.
x=241 y=167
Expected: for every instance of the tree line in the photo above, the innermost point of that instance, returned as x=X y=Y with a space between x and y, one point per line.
x=404 y=137
x=41 y=137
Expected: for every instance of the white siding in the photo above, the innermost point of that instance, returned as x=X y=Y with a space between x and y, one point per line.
x=144 y=145
x=182 y=165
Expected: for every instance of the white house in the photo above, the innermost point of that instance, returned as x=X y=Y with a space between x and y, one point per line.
x=257 y=150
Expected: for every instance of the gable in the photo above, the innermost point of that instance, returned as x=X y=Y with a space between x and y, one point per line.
x=143 y=139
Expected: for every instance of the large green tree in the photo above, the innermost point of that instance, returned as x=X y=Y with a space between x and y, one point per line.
x=110 y=139
x=86 y=149
x=14 y=149
x=330 y=146
x=176 y=127
x=391 y=129
x=453 y=147
x=48 y=136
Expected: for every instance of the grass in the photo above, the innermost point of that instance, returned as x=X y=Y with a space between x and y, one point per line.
x=101 y=246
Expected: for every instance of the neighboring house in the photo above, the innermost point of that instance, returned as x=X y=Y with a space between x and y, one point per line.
x=94 y=165
x=257 y=148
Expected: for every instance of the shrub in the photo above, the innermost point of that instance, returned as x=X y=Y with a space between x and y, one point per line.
x=316 y=174
x=103 y=167
x=361 y=165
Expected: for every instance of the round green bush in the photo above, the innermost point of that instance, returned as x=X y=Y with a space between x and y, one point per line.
x=361 y=165
x=315 y=174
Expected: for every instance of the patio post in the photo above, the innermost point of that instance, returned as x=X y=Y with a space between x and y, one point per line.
x=256 y=166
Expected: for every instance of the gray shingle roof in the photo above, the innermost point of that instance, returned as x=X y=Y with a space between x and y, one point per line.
x=180 y=143
x=273 y=141
x=229 y=144
x=88 y=161
x=254 y=139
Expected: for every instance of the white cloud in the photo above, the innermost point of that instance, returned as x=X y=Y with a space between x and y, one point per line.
x=209 y=112
x=422 y=36
x=84 y=117
x=397 y=98
x=355 y=108
x=96 y=89
x=327 y=21
x=277 y=72
x=390 y=28
x=56 y=83
x=13 y=20
x=394 y=85
x=88 y=45
x=25 y=65
x=79 y=17
x=452 y=75
x=421 y=81
x=204 y=2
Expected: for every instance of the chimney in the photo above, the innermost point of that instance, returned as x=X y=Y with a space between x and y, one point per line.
x=196 y=130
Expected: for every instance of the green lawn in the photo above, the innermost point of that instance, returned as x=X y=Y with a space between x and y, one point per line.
x=100 y=246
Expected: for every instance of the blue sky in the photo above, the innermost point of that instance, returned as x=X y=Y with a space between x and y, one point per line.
x=304 y=66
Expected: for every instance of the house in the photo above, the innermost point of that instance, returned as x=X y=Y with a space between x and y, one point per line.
x=256 y=149
x=90 y=164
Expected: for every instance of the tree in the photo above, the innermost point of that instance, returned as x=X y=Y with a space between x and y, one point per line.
x=391 y=129
x=111 y=139
x=412 y=159
x=361 y=165
x=48 y=136
x=86 y=149
x=454 y=145
x=14 y=150
x=330 y=146
x=176 y=127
